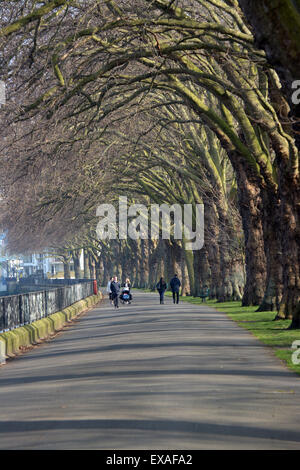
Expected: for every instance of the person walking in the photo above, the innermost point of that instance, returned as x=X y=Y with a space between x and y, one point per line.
x=127 y=283
x=115 y=291
x=126 y=288
x=161 y=286
x=204 y=293
x=175 y=285
x=108 y=289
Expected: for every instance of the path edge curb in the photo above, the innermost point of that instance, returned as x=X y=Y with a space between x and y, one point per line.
x=14 y=342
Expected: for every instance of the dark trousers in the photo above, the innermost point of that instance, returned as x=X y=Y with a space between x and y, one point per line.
x=175 y=294
x=161 y=296
x=115 y=298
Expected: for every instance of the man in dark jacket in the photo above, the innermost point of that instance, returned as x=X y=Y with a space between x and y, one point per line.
x=175 y=285
x=161 y=286
x=115 y=291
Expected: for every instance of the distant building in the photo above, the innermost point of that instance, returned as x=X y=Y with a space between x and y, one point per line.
x=29 y=264
x=43 y=262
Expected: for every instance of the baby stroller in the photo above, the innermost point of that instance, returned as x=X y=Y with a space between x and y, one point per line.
x=125 y=296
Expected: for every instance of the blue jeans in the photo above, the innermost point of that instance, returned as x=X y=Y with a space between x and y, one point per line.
x=161 y=296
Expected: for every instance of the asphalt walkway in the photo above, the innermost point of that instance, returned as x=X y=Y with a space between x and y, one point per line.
x=150 y=376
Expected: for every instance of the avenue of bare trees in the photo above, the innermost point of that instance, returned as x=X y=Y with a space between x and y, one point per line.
x=163 y=101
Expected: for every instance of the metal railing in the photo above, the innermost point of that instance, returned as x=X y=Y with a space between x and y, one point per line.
x=21 y=309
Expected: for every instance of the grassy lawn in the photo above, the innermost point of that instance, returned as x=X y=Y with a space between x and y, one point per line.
x=271 y=333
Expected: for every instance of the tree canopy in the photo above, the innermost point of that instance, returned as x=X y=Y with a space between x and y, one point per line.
x=166 y=101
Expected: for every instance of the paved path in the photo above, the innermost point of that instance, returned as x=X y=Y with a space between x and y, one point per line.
x=150 y=377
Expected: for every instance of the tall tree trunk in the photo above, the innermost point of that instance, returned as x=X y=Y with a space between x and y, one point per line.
x=103 y=272
x=287 y=157
x=172 y=257
x=272 y=243
x=290 y=218
x=189 y=261
x=237 y=281
x=144 y=273
x=201 y=270
x=169 y=261
x=225 y=293
x=98 y=270
x=250 y=204
x=92 y=266
x=197 y=273
x=126 y=265
x=106 y=272
x=76 y=259
x=213 y=251
x=205 y=272
x=86 y=269
x=137 y=264
x=66 y=263
x=152 y=265
x=185 y=282
x=117 y=260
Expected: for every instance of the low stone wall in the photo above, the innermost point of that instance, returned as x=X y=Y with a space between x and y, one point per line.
x=15 y=341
